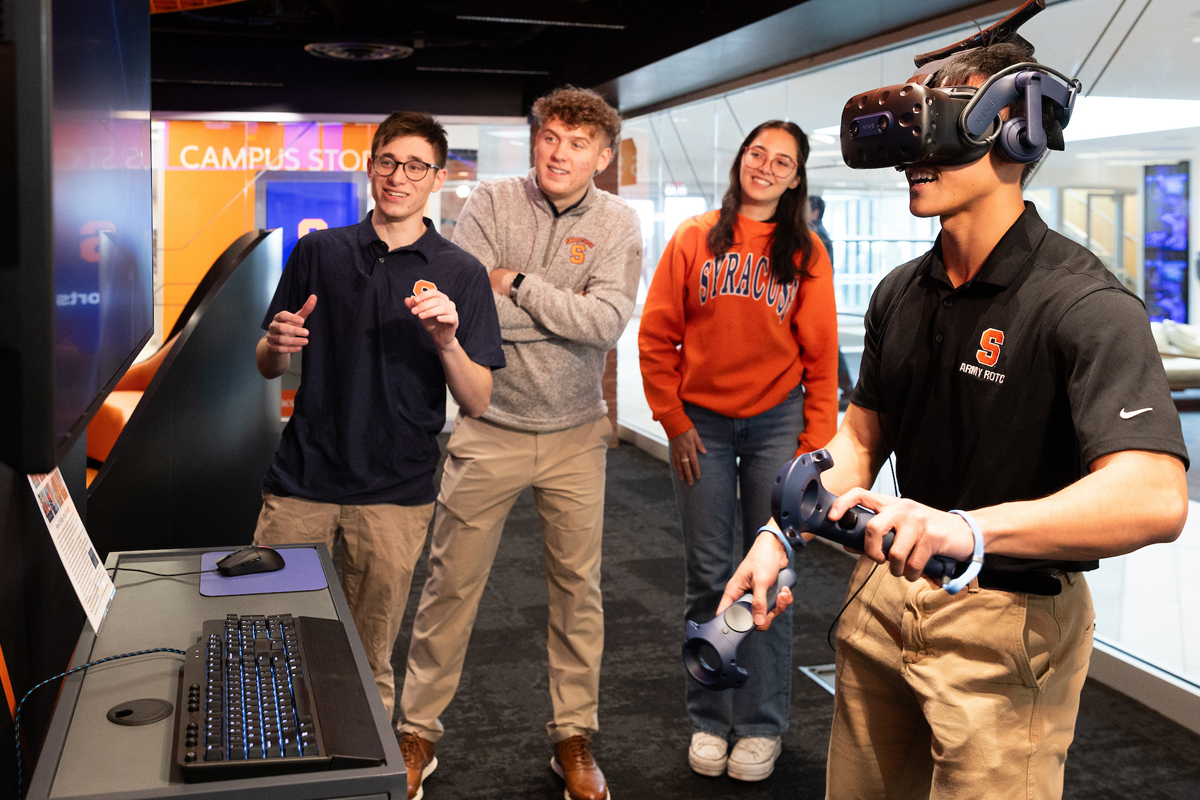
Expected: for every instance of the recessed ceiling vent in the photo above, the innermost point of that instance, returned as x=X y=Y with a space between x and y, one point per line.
x=359 y=51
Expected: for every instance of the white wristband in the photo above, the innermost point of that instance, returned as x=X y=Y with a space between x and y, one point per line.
x=958 y=584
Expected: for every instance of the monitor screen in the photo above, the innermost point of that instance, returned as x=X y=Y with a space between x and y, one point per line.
x=103 y=257
x=103 y=262
x=84 y=287
x=1166 y=242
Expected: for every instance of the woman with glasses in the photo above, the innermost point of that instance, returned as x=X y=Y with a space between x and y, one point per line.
x=738 y=346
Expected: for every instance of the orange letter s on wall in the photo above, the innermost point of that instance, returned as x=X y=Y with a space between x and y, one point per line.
x=990 y=342
x=309 y=225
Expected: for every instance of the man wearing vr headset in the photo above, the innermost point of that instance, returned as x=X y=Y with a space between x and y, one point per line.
x=1014 y=377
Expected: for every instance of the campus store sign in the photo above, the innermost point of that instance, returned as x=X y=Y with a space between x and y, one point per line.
x=288 y=146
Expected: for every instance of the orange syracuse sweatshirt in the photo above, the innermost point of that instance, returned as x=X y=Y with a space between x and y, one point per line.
x=726 y=337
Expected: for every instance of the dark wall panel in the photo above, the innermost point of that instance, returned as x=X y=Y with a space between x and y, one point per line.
x=41 y=616
x=186 y=470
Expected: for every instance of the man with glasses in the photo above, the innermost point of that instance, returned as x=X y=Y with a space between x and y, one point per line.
x=565 y=259
x=388 y=314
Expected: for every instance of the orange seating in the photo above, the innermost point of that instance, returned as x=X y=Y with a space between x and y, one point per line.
x=118 y=407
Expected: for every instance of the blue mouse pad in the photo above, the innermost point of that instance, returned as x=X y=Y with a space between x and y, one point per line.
x=302 y=572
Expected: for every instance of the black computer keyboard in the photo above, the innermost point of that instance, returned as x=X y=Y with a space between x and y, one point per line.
x=267 y=695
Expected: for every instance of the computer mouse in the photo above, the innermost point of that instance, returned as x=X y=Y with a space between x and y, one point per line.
x=250 y=560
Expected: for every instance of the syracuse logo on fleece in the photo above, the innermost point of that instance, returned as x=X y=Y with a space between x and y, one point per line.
x=987 y=355
x=739 y=275
x=578 y=247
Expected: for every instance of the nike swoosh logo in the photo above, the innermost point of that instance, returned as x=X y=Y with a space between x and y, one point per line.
x=1131 y=414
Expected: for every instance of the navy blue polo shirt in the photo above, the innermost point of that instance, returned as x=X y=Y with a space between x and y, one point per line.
x=372 y=394
x=1007 y=387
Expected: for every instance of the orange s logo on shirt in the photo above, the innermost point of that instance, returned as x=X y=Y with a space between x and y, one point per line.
x=990 y=343
x=578 y=248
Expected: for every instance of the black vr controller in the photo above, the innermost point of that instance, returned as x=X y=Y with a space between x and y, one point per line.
x=800 y=504
x=920 y=123
x=710 y=650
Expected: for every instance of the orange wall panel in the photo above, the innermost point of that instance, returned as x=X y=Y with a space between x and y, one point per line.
x=209 y=184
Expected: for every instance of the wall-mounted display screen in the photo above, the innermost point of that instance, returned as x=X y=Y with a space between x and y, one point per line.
x=103 y=267
x=301 y=202
x=299 y=207
x=84 y=287
x=1166 y=241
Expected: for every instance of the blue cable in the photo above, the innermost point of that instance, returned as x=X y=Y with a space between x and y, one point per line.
x=17 y=715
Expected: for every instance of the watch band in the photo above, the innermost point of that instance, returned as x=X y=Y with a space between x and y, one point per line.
x=516 y=283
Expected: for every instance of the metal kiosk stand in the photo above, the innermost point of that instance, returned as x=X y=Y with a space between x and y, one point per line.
x=87 y=757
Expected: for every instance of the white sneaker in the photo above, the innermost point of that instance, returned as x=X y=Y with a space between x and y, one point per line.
x=708 y=754
x=753 y=758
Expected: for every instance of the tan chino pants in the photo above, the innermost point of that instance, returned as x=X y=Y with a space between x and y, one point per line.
x=380 y=546
x=487 y=467
x=970 y=696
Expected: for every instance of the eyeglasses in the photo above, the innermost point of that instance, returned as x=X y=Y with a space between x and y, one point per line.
x=781 y=166
x=415 y=170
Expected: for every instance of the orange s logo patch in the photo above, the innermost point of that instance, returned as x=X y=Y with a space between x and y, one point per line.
x=990 y=343
x=423 y=286
x=578 y=248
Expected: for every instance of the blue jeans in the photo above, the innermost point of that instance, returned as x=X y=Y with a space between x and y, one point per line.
x=745 y=453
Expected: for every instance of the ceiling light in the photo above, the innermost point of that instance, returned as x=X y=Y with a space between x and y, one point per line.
x=462 y=191
x=560 y=23
x=359 y=51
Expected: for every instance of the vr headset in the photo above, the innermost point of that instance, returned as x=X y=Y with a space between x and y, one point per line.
x=920 y=123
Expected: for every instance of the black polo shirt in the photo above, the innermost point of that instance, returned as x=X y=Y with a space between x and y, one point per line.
x=372 y=394
x=1007 y=387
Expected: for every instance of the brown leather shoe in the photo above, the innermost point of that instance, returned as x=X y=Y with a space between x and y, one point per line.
x=574 y=764
x=420 y=760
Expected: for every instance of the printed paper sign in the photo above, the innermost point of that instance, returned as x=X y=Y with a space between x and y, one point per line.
x=85 y=569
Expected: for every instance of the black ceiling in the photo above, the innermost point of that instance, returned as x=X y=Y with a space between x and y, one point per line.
x=250 y=55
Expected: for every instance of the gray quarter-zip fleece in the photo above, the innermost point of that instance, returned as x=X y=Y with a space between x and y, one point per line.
x=581 y=276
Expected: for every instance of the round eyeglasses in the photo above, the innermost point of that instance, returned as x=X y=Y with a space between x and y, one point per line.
x=384 y=166
x=781 y=166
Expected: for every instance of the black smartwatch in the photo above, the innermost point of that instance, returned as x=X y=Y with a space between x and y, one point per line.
x=516 y=282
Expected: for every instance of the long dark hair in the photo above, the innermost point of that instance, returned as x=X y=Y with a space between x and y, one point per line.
x=791 y=222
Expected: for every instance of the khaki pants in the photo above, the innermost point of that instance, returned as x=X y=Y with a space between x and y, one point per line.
x=380 y=546
x=487 y=467
x=956 y=696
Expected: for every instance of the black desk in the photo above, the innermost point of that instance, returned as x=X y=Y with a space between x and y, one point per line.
x=86 y=756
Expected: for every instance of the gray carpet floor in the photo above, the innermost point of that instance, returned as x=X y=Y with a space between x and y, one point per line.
x=496 y=744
